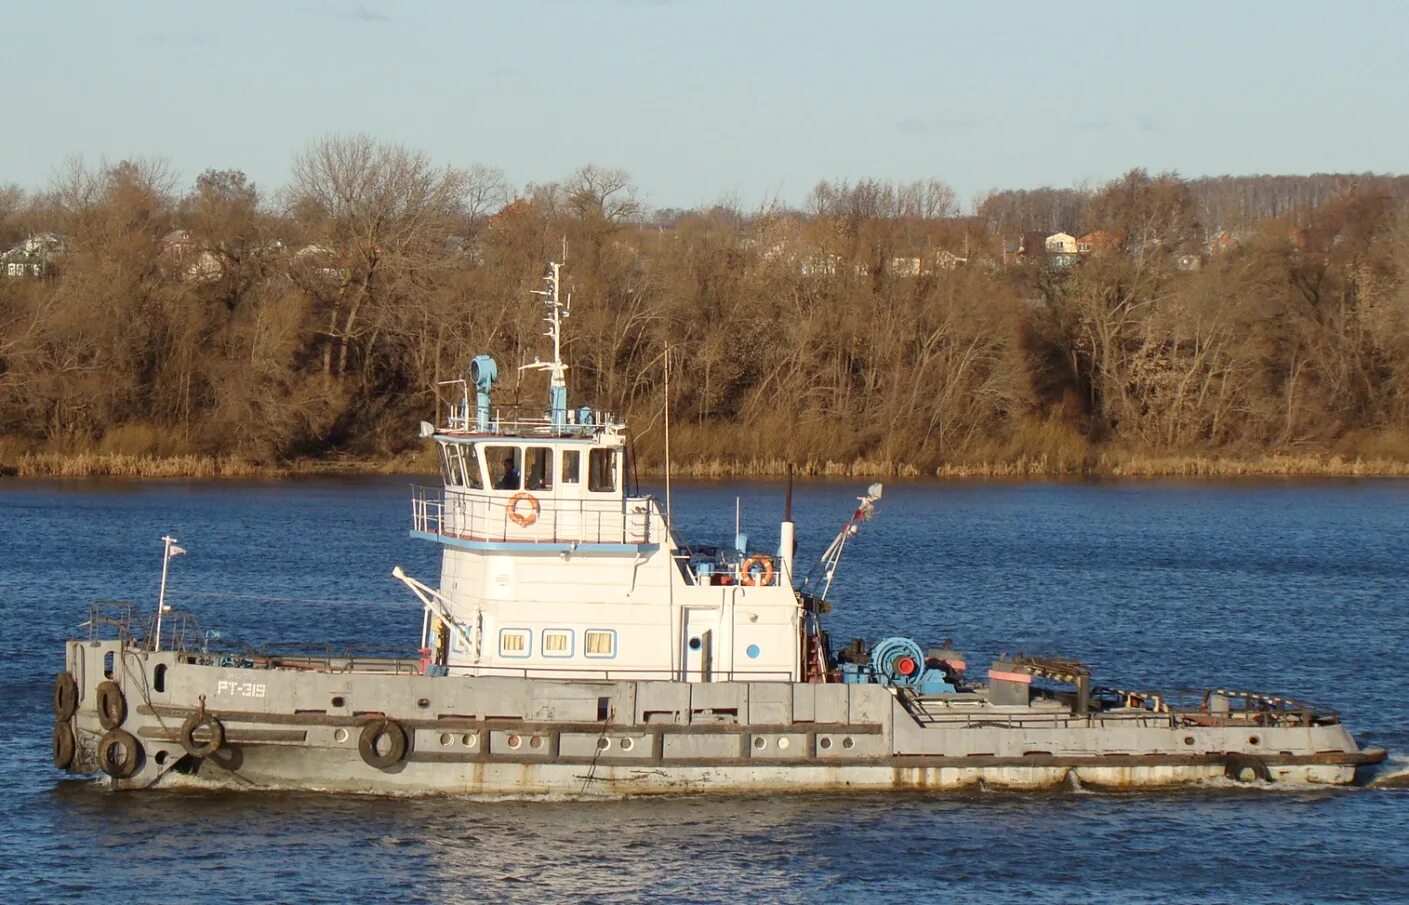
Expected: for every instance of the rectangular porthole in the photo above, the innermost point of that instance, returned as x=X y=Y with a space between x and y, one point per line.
x=557 y=642
x=599 y=642
x=514 y=642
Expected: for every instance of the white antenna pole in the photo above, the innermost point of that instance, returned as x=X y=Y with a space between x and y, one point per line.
x=738 y=514
x=668 y=522
x=167 y=541
x=557 y=311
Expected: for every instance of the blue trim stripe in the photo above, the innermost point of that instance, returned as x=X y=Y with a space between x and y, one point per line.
x=529 y=546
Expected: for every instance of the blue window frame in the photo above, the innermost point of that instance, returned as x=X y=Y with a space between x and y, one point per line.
x=556 y=642
x=515 y=642
x=599 y=643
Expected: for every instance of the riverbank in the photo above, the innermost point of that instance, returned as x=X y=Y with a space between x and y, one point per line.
x=117 y=465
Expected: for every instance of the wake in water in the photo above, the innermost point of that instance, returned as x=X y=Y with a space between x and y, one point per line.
x=1392 y=774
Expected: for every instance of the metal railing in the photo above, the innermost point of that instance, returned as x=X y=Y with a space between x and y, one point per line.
x=510 y=421
x=501 y=516
x=639 y=674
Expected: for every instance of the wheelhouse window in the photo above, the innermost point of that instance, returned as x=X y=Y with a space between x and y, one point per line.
x=459 y=466
x=449 y=465
x=538 y=470
x=572 y=466
x=513 y=642
x=601 y=470
x=474 y=476
x=599 y=642
x=505 y=465
x=557 y=642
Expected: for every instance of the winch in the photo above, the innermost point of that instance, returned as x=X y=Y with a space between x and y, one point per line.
x=898 y=662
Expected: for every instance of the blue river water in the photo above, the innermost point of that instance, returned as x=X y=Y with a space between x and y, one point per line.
x=1292 y=587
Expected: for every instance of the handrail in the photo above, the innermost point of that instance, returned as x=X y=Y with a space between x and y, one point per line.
x=640 y=673
x=490 y=516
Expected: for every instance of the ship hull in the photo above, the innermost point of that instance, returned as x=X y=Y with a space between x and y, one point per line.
x=378 y=727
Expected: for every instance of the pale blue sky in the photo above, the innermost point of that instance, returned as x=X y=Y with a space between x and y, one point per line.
x=705 y=101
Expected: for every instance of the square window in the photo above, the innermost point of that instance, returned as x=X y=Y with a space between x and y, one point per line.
x=514 y=642
x=557 y=642
x=599 y=642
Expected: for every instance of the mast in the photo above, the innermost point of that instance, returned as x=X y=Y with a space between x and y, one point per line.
x=558 y=311
x=171 y=549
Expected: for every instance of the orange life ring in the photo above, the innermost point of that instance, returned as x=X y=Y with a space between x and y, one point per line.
x=746 y=570
x=522 y=519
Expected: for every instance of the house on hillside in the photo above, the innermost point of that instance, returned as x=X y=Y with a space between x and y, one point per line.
x=187 y=259
x=316 y=266
x=1221 y=243
x=37 y=256
x=906 y=267
x=948 y=260
x=1060 y=249
x=1096 y=242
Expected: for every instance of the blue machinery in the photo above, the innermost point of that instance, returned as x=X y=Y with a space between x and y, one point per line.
x=483 y=374
x=900 y=663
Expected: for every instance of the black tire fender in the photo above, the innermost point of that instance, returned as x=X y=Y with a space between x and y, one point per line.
x=214 y=728
x=64 y=745
x=1246 y=768
x=396 y=743
x=119 y=754
x=112 y=705
x=65 y=696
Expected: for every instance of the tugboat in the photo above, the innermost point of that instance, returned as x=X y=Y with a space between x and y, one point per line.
x=575 y=646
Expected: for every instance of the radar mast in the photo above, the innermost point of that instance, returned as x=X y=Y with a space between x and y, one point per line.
x=558 y=311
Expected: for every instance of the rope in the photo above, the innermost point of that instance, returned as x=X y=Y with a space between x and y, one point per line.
x=592 y=767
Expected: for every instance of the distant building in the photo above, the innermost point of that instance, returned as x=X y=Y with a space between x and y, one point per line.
x=37 y=256
x=184 y=255
x=316 y=264
x=1061 y=250
x=905 y=267
x=1097 y=242
x=948 y=260
x=1222 y=243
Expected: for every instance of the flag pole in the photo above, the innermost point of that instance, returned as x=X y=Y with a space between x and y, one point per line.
x=168 y=540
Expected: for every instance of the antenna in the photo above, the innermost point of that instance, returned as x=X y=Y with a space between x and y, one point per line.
x=826 y=568
x=558 y=311
x=668 y=521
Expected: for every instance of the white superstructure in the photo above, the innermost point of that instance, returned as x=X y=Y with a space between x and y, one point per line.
x=553 y=568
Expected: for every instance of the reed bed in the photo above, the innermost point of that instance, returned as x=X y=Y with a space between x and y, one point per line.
x=120 y=465
x=1118 y=465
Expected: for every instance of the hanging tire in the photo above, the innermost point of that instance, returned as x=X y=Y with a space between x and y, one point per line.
x=112 y=705
x=386 y=735
x=65 y=696
x=1245 y=768
x=64 y=745
x=214 y=732
x=119 y=754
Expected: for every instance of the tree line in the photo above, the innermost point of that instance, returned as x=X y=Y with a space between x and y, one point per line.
x=876 y=323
